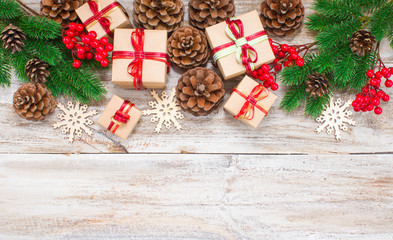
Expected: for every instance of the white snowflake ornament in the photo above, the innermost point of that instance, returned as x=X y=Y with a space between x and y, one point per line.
x=335 y=117
x=165 y=110
x=74 y=120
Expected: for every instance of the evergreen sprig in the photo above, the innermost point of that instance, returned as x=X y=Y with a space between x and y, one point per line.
x=5 y=69
x=40 y=27
x=10 y=9
x=336 y=21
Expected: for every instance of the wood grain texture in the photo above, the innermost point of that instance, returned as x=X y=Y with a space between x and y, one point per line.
x=216 y=133
x=196 y=196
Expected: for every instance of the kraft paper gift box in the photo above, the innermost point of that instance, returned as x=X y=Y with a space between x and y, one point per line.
x=109 y=121
x=154 y=73
x=228 y=65
x=117 y=16
x=236 y=102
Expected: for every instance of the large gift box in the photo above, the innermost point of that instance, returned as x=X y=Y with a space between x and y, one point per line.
x=120 y=117
x=140 y=58
x=103 y=16
x=237 y=43
x=250 y=102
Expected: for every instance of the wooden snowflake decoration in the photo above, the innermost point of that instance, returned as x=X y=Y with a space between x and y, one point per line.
x=74 y=120
x=335 y=118
x=165 y=110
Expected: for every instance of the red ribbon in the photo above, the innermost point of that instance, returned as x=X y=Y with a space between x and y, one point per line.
x=237 y=28
x=99 y=16
x=252 y=101
x=121 y=116
x=138 y=55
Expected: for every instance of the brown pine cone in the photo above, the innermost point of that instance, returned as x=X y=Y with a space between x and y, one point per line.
x=205 y=13
x=362 y=42
x=13 y=38
x=187 y=47
x=33 y=101
x=317 y=84
x=159 y=14
x=61 y=11
x=199 y=91
x=36 y=70
x=282 y=17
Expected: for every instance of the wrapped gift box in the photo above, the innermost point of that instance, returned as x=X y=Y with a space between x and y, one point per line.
x=154 y=73
x=228 y=65
x=117 y=16
x=236 y=102
x=116 y=110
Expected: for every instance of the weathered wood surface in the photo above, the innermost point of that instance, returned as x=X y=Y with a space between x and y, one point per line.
x=216 y=133
x=196 y=196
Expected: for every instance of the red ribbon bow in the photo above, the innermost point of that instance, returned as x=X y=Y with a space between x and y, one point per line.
x=121 y=116
x=99 y=16
x=136 y=66
x=252 y=101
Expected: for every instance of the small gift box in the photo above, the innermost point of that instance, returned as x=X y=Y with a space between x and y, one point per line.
x=250 y=102
x=140 y=58
x=239 y=45
x=103 y=16
x=120 y=117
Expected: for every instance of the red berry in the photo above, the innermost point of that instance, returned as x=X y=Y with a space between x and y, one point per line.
x=378 y=110
x=74 y=39
x=98 y=57
x=356 y=109
x=300 y=62
x=109 y=47
x=378 y=74
x=355 y=104
x=104 y=62
x=92 y=34
x=104 y=41
x=87 y=49
x=370 y=107
x=281 y=54
x=265 y=76
x=359 y=99
x=366 y=99
x=95 y=43
x=81 y=55
x=364 y=109
x=278 y=67
x=86 y=39
x=76 y=64
x=364 y=89
x=70 y=33
x=66 y=40
x=373 y=81
x=385 y=71
x=276 y=61
x=375 y=101
x=70 y=45
x=270 y=41
x=270 y=80
x=388 y=75
x=274 y=86
x=260 y=72
x=290 y=59
x=385 y=98
x=288 y=64
x=265 y=68
x=373 y=92
x=389 y=83
x=79 y=28
x=266 y=85
x=294 y=56
x=72 y=26
x=391 y=70
x=291 y=50
x=275 y=49
x=380 y=94
x=285 y=47
x=100 y=48
x=254 y=74
x=370 y=73
x=89 y=55
x=104 y=54
x=260 y=78
x=80 y=50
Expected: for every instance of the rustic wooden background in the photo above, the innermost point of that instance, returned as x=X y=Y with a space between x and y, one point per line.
x=215 y=179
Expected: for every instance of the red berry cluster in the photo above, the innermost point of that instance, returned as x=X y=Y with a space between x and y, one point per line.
x=286 y=56
x=86 y=46
x=371 y=95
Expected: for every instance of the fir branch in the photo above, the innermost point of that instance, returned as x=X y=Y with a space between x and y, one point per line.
x=340 y=9
x=324 y=61
x=43 y=50
x=345 y=68
x=5 y=69
x=40 y=27
x=315 y=106
x=371 y=5
x=360 y=79
x=294 y=97
x=80 y=84
x=10 y=9
x=381 y=21
x=337 y=33
x=295 y=75
x=18 y=60
x=319 y=22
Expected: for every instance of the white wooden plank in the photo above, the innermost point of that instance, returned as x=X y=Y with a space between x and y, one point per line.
x=196 y=196
x=217 y=133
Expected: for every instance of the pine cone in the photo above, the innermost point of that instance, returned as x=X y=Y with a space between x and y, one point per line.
x=199 y=91
x=187 y=47
x=282 y=17
x=362 y=42
x=159 y=14
x=36 y=70
x=61 y=11
x=13 y=38
x=205 y=13
x=33 y=101
x=317 y=84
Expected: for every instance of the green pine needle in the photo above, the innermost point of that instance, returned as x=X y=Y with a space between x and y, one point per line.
x=5 y=69
x=338 y=8
x=43 y=50
x=294 y=97
x=319 y=22
x=345 y=68
x=18 y=60
x=360 y=78
x=315 y=106
x=382 y=21
x=40 y=27
x=295 y=75
x=10 y=9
